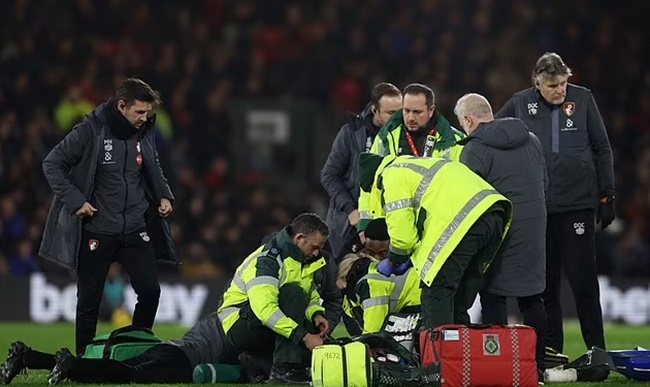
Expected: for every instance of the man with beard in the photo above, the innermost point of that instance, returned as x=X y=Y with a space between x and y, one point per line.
x=418 y=130
x=271 y=309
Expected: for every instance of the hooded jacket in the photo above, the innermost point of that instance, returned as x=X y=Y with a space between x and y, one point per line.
x=510 y=158
x=70 y=169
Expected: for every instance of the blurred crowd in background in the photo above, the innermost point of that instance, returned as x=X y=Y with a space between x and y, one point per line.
x=59 y=60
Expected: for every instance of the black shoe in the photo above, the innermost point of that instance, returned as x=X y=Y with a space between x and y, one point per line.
x=291 y=376
x=592 y=367
x=256 y=369
x=15 y=362
x=62 y=367
x=593 y=374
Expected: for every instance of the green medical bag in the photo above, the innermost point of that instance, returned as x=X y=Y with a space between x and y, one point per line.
x=121 y=344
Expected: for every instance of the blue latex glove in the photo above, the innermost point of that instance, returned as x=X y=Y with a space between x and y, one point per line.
x=402 y=267
x=385 y=268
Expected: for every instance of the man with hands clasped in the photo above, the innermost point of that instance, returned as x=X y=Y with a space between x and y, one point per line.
x=111 y=201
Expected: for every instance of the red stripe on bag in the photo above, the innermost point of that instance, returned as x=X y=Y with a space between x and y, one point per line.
x=467 y=356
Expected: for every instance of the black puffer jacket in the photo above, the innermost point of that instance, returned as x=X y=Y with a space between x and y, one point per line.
x=506 y=155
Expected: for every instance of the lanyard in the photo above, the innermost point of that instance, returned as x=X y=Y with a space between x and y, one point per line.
x=428 y=145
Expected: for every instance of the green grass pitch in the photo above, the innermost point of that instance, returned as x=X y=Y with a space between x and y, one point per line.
x=50 y=338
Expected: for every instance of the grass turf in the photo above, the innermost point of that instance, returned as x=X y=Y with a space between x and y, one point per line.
x=49 y=338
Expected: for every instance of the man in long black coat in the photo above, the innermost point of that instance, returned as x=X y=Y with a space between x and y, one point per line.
x=506 y=155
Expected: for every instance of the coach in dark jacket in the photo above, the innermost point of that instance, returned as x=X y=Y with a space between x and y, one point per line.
x=110 y=204
x=579 y=161
x=339 y=175
x=506 y=155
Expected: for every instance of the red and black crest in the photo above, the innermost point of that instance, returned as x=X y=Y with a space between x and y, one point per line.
x=569 y=108
x=93 y=244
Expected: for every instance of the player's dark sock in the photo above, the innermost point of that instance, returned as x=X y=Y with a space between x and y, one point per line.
x=35 y=360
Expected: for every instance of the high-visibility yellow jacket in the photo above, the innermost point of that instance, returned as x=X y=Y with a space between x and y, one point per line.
x=258 y=281
x=429 y=205
x=380 y=296
x=387 y=143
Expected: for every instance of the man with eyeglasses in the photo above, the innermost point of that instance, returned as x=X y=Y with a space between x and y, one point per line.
x=580 y=194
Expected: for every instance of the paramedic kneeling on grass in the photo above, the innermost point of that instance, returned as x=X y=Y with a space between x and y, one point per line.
x=273 y=301
x=449 y=220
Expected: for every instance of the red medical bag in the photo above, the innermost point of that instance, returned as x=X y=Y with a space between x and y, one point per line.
x=481 y=355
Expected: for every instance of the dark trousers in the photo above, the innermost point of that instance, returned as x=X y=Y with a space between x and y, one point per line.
x=570 y=245
x=162 y=363
x=249 y=335
x=460 y=278
x=495 y=311
x=95 y=257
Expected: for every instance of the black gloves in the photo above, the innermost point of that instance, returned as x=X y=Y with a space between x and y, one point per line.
x=606 y=213
x=397 y=259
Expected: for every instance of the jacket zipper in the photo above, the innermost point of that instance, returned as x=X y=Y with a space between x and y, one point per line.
x=344 y=360
x=126 y=186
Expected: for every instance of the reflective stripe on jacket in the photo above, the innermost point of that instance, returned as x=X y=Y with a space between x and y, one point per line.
x=258 y=280
x=429 y=205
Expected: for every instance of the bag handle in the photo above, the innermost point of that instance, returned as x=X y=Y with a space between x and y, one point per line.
x=129 y=328
x=484 y=326
x=117 y=332
x=432 y=334
x=431 y=375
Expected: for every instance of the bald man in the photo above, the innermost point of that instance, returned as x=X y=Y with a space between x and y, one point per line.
x=506 y=155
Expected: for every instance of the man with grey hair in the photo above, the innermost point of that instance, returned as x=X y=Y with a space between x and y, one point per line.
x=566 y=119
x=506 y=155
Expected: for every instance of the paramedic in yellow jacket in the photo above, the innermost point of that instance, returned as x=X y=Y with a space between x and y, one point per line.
x=375 y=295
x=272 y=301
x=446 y=218
x=418 y=130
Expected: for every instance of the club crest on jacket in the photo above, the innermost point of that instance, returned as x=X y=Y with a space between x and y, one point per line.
x=93 y=244
x=569 y=108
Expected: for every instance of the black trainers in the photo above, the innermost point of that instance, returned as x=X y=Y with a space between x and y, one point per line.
x=15 y=362
x=289 y=376
x=62 y=367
